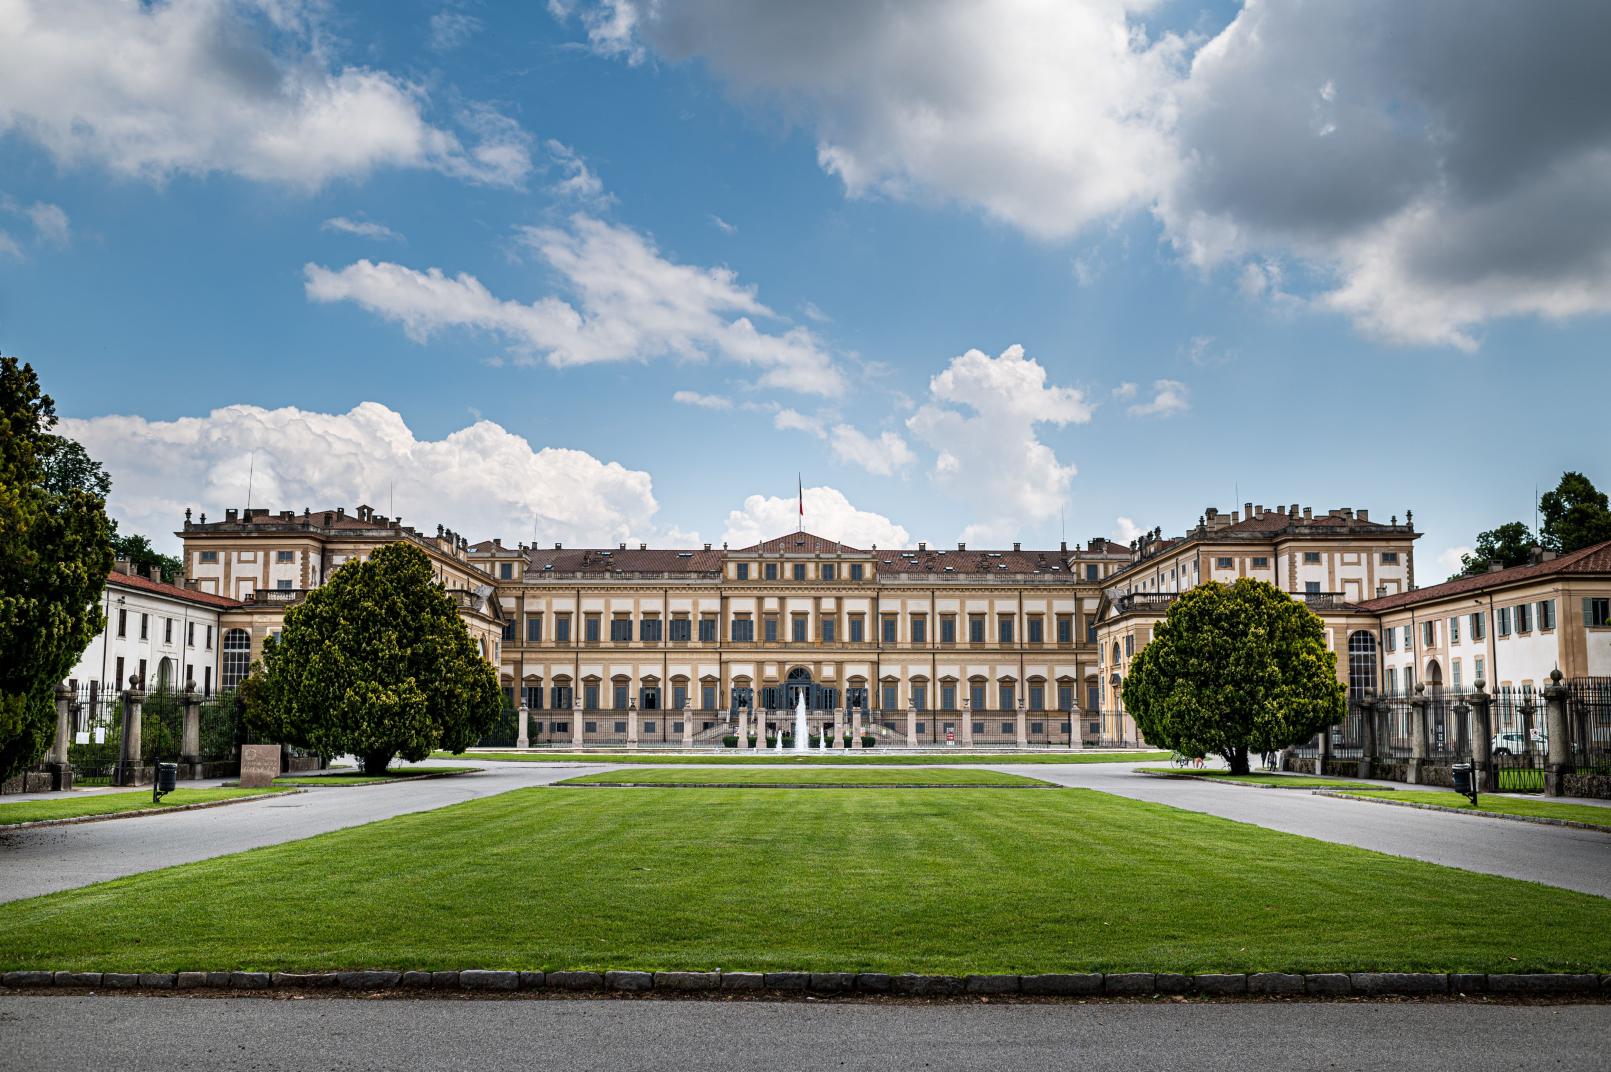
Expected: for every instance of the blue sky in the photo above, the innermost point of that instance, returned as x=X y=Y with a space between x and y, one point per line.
x=1313 y=263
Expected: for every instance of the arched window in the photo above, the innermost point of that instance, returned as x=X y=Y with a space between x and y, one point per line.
x=1361 y=663
x=237 y=656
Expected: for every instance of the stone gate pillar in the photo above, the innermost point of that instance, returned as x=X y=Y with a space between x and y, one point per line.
x=130 y=771
x=743 y=728
x=688 y=723
x=190 y=743
x=1365 y=710
x=838 y=728
x=855 y=726
x=577 y=738
x=632 y=725
x=1414 y=772
x=911 y=724
x=1323 y=749
x=1076 y=736
x=1558 y=761
x=965 y=738
x=56 y=760
x=1482 y=735
x=523 y=732
x=1021 y=727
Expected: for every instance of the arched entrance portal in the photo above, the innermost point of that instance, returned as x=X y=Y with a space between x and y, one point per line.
x=786 y=697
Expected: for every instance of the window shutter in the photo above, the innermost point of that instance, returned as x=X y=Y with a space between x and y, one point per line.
x=1588 y=611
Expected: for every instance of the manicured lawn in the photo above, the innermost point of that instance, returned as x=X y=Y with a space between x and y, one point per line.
x=393 y=774
x=74 y=805
x=1285 y=781
x=949 y=881
x=860 y=776
x=1548 y=809
x=870 y=757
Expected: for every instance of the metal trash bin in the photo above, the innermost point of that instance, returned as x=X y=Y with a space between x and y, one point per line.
x=1462 y=777
x=167 y=778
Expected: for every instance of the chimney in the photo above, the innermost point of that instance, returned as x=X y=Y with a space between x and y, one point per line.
x=1495 y=567
x=1294 y=510
x=558 y=546
x=1017 y=547
x=1064 y=545
x=1258 y=511
x=707 y=547
x=922 y=545
x=1247 y=510
x=1381 y=590
x=1308 y=512
x=643 y=547
x=232 y=514
x=1364 y=515
x=1281 y=510
x=622 y=547
x=1235 y=517
x=122 y=566
x=341 y=511
x=961 y=546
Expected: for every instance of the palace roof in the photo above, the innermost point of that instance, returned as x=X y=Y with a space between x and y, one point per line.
x=170 y=591
x=1594 y=559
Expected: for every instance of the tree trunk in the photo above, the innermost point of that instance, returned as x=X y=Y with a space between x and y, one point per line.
x=376 y=762
x=1237 y=758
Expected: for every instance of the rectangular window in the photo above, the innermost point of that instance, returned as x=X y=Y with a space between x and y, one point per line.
x=1389 y=558
x=1006 y=727
x=145 y=626
x=190 y=634
x=649 y=727
x=707 y=697
x=534 y=628
x=978 y=729
x=1093 y=572
x=976 y=629
x=827 y=626
x=770 y=626
x=1596 y=612
x=651 y=629
x=1009 y=697
x=1129 y=645
x=562 y=628
x=1476 y=666
x=797 y=628
x=1524 y=618
x=1504 y=621
x=855 y=571
x=1065 y=697
x=506 y=571
x=1090 y=631
x=976 y=699
x=590 y=629
x=122 y=622
x=1546 y=614
x=1004 y=629
x=283 y=585
x=1261 y=562
x=621 y=694
x=284 y=556
x=682 y=630
x=1455 y=668
x=1037 y=697
x=209 y=556
x=948 y=697
x=1409 y=640
x=920 y=697
x=1311 y=588
x=771 y=571
x=1224 y=563
x=1311 y=558
x=120 y=682
x=1036 y=629
x=948 y=629
x=888 y=629
x=620 y=629
x=825 y=571
x=799 y=571
x=742 y=571
x=1065 y=629
x=857 y=630
x=209 y=638
x=743 y=630
x=920 y=629
x=1392 y=681
x=1428 y=634
x=707 y=629
x=891 y=703
x=509 y=631
x=1479 y=625
x=1454 y=631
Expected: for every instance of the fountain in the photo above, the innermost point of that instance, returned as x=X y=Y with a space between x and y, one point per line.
x=802 y=732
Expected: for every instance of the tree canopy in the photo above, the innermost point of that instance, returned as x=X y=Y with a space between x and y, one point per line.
x=1575 y=515
x=143 y=558
x=1234 y=667
x=1510 y=544
x=54 y=557
x=377 y=662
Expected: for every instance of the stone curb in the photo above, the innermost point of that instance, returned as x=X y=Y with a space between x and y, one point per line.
x=77 y=819
x=387 y=781
x=1297 y=781
x=1537 y=820
x=1094 y=984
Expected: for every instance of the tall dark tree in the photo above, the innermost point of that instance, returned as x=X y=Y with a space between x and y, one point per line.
x=54 y=556
x=1510 y=544
x=377 y=663
x=1575 y=515
x=1234 y=668
x=143 y=558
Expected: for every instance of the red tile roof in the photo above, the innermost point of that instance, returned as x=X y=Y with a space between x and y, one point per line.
x=973 y=561
x=799 y=543
x=604 y=561
x=1592 y=559
x=170 y=591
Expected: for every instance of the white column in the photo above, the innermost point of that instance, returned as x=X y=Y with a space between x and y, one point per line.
x=911 y=725
x=576 y=724
x=688 y=723
x=965 y=739
x=855 y=727
x=1022 y=726
x=523 y=736
x=632 y=724
x=743 y=729
x=838 y=728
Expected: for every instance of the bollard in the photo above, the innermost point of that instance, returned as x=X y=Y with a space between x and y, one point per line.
x=1558 y=762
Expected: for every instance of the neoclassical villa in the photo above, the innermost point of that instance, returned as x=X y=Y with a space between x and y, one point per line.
x=633 y=645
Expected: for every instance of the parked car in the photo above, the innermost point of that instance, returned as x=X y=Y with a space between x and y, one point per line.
x=1514 y=742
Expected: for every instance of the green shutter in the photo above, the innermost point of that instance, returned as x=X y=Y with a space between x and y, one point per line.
x=1588 y=611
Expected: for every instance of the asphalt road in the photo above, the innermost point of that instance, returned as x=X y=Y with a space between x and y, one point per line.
x=1554 y=855
x=46 y=859
x=135 y=1034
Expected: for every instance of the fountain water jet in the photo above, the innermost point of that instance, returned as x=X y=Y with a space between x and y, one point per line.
x=802 y=733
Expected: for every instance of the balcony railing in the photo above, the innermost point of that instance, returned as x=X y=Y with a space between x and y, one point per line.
x=1144 y=602
x=277 y=596
x=1321 y=600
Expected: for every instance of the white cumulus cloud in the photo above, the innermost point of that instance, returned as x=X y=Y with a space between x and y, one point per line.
x=245 y=87
x=694 y=398
x=482 y=480
x=1169 y=398
x=827 y=513
x=361 y=228
x=882 y=455
x=627 y=302
x=981 y=419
